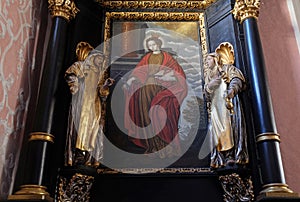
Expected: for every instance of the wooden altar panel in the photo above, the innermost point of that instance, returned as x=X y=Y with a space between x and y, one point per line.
x=171 y=188
x=160 y=186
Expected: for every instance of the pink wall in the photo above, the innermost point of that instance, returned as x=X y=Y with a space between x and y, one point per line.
x=19 y=22
x=282 y=61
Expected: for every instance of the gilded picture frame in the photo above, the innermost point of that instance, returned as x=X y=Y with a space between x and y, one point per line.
x=184 y=37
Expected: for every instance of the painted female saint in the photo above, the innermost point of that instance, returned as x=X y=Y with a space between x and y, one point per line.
x=154 y=92
x=223 y=82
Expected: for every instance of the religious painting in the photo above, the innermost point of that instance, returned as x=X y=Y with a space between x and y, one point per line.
x=156 y=116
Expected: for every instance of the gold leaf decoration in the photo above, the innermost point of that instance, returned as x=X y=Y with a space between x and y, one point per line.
x=226 y=53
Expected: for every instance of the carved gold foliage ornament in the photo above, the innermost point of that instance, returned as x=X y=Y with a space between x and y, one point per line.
x=236 y=189
x=131 y=16
x=63 y=8
x=156 y=4
x=75 y=189
x=244 y=9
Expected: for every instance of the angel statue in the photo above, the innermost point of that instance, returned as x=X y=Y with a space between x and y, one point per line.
x=89 y=91
x=226 y=127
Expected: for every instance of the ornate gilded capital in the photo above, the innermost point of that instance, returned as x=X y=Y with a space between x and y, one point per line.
x=244 y=9
x=63 y=8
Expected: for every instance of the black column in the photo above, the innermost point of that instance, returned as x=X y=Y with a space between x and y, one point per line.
x=267 y=139
x=40 y=139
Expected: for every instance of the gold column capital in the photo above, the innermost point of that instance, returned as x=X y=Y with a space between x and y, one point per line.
x=244 y=9
x=63 y=8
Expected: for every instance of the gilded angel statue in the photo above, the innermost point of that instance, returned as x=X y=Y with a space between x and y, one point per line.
x=89 y=90
x=226 y=128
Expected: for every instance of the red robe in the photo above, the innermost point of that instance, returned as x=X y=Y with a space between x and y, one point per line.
x=167 y=94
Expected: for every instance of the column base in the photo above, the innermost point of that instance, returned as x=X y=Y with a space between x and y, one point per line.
x=31 y=193
x=277 y=192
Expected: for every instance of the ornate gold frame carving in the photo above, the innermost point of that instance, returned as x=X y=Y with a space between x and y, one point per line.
x=156 y=4
x=154 y=170
x=63 y=8
x=153 y=16
x=244 y=9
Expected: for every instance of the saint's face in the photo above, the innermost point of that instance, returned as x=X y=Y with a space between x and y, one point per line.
x=210 y=61
x=152 y=45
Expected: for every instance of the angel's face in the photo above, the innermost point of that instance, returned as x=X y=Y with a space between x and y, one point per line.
x=98 y=60
x=210 y=62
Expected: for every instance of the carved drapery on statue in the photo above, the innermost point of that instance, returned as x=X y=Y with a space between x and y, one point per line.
x=89 y=90
x=226 y=128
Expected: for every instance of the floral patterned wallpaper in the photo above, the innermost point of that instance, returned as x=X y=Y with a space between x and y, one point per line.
x=19 y=28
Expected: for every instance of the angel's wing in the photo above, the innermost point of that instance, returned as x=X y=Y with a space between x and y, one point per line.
x=226 y=53
x=82 y=50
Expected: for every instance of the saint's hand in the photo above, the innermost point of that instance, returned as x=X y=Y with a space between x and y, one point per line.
x=109 y=82
x=230 y=94
x=165 y=75
x=128 y=83
x=72 y=81
x=214 y=83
